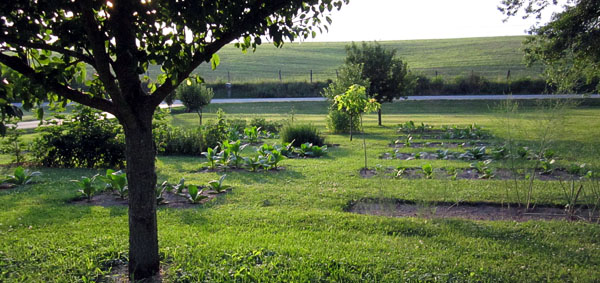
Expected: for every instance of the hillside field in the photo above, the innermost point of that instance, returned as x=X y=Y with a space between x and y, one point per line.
x=491 y=57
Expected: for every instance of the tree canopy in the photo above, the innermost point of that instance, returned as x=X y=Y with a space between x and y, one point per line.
x=387 y=74
x=567 y=45
x=194 y=97
x=47 y=49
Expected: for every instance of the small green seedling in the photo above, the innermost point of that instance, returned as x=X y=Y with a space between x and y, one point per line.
x=453 y=173
x=160 y=190
x=399 y=172
x=547 y=166
x=217 y=185
x=21 y=176
x=482 y=167
x=195 y=194
x=428 y=171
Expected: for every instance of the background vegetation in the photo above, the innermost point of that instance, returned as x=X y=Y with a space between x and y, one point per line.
x=292 y=225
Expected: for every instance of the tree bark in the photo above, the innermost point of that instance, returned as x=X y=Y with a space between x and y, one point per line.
x=200 y=115
x=351 y=127
x=141 y=176
x=379 y=116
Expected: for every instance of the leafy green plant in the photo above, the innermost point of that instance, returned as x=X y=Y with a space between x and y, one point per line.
x=252 y=134
x=179 y=187
x=233 y=150
x=273 y=159
x=474 y=153
x=576 y=169
x=21 y=176
x=407 y=127
x=217 y=185
x=86 y=187
x=116 y=181
x=523 y=152
x=427 y=171
x=499 y=152
x=442 y=154
x=547 y=166
x=399 y=172
x=308 y=149
x=287 y=149
x=160 y=190
x=253 y=163
x=212 y=157
x=195 y=194
x=408 y=140
x=452 y=172
x=482 y=167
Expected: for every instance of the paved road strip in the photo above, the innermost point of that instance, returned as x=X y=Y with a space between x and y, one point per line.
x=177 y=103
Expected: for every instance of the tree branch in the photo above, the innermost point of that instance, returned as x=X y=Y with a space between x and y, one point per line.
x=44 y=46
x=100 y=56
x=60 y=89
x=249 y=20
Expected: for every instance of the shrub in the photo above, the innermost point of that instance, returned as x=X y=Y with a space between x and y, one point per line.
x=299 y=134
x=266 y=126
x=237 y=125
x=178 y=141
x=338 y=121
x=86 y=140
x=216 y=132
x=194 y=97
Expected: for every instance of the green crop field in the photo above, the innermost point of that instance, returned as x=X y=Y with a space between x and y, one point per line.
x=491 y=57
x=293 y=224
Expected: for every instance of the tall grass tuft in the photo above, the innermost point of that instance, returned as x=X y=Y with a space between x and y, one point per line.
x=298 y=134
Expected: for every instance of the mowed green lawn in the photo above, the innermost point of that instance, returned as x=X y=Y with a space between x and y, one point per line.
x=292 y=224
x=491 y=57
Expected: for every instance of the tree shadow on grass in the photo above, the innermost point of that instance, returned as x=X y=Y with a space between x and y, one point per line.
x=49 y=214
x=513 y=238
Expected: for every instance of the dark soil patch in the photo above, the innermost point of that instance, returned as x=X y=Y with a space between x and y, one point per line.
x=6 y=186
x=475 y=211
x=438 y=144
x=222 y=170
x=172 y=200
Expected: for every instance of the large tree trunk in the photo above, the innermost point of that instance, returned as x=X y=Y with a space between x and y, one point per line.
x=141 y=176
x=379 y=117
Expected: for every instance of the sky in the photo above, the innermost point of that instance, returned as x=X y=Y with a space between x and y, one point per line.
x=367 y=20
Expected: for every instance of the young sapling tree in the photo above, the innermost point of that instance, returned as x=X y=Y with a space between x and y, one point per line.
x=355 y=102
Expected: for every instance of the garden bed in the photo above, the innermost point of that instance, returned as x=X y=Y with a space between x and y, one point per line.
x=469 y=174
x=474 y=211
x=172 y=200
x=437 y=144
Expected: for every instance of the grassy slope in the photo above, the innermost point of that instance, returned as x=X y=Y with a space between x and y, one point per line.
x=489 y=56
x=291 y=225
